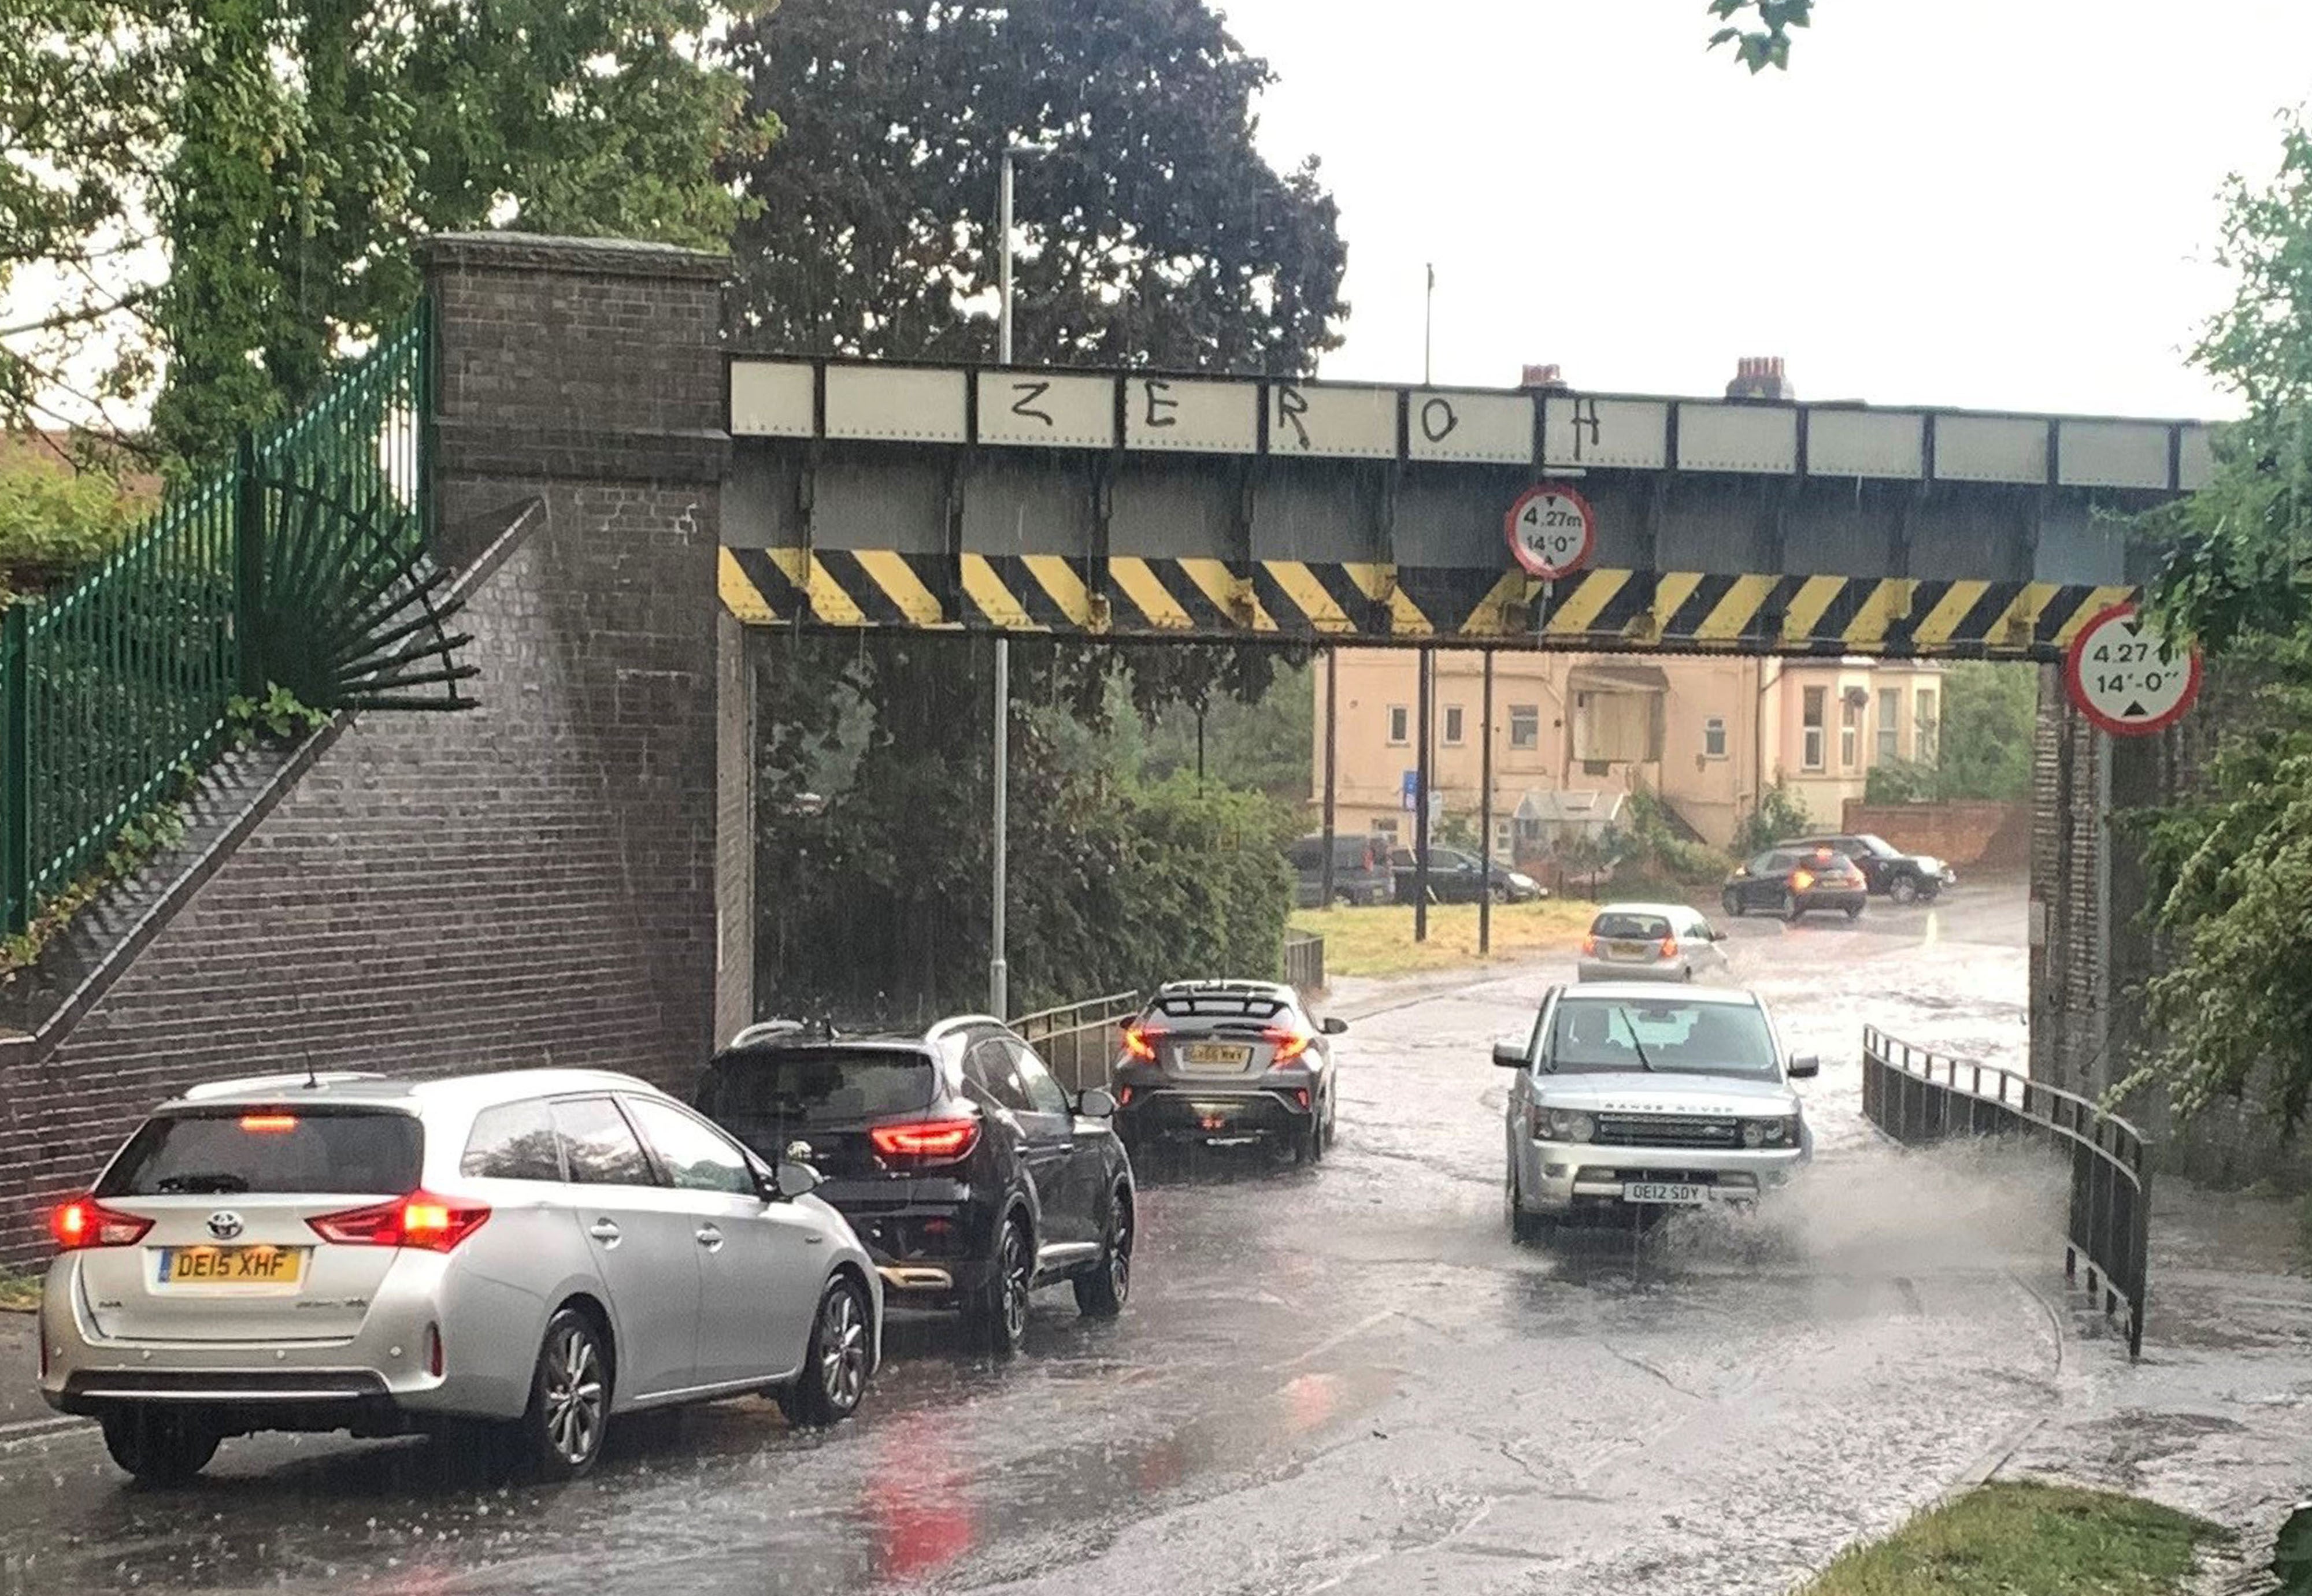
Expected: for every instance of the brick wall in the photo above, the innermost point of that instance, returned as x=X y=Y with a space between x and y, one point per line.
x=1985 y=837
x=2068 y=921
x=529 y=883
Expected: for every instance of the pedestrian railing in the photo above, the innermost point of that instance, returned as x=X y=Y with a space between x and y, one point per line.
x=1078 y=1040
x=1304 y=962
x=1919 y=1097
x=302 y=564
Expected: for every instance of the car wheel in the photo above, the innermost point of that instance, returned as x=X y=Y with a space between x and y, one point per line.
x=1793 y=910
x=1331 y=1120
x=840 y=1357
x=1854 y=911
x=158 y=1449
x=1904 y=889
x=561 y=1434
x=1101 y=1293
x=1733 y=903
x=1525 y=1229
x=1002 y=1310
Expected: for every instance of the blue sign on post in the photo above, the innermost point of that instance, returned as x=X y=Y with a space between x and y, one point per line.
x=1412 y=791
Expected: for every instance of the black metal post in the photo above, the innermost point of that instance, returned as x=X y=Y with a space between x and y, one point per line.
x=1332 y=751
x=1421 y=803
x=1486 y=811
x=248 y=568
x=15 y=769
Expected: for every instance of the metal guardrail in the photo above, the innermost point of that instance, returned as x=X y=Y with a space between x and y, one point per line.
x=1304 y=962
x=1919 y=1097
x=1077 y=1040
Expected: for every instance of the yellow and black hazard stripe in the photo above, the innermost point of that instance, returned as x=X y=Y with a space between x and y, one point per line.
x=1286 y=600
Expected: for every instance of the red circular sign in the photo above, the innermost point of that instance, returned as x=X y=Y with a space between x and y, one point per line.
x=2124 y=678
x=1552 y=530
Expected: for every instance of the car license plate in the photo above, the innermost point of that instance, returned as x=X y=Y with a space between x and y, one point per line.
x=1630 y=950
x=1665 y=1191
x=232 y=1266
x=1214 y=1055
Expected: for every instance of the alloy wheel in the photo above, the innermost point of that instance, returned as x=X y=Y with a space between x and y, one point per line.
x=843 y=1350
x=573 y=1395
x=1017 y=1273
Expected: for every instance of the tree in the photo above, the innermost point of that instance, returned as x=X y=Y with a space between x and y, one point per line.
x=1990 y=717
x=277 y=156
x=1153 y=232
x=1769 y=43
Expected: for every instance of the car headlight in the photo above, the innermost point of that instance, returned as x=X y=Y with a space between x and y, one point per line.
x=1522 y=882
x=1771 y=1133
x=1569 y=1125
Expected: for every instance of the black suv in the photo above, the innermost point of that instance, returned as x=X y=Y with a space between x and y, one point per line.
x=1905 y=877
x=971 y=1175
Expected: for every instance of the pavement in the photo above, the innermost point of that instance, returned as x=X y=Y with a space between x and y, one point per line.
x=1348 y=1378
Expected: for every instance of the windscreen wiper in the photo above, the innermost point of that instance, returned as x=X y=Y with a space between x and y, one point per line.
x=1631 y=1025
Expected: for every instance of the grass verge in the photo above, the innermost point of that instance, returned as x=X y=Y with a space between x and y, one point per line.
x=19 y=1293
x=2024 y=1537
x=1378 y=940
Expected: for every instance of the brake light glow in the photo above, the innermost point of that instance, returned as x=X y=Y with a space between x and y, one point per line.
x=263 y=1123
x=1669 y=947
x=1801 y=879
x=1289 y=1043
x=925 y=1139
x=1122 y=1096
x=84 y=1222
x=421 y=1219
x=1141 y=1042
x=1588 y=945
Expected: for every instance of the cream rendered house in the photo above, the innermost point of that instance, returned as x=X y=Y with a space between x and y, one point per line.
x=1705 y=734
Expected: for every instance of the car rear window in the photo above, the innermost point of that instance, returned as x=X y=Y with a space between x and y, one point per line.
x=268 y=1150
x=1205 y=1011
x=1637 y=927
x=762 y=1096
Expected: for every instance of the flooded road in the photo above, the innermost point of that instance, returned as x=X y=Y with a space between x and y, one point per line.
x=1345 y=1378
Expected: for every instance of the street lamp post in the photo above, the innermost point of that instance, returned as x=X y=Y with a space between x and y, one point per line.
x=999 y=975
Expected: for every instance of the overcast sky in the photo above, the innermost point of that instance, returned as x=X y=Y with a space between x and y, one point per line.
x=1992 y=203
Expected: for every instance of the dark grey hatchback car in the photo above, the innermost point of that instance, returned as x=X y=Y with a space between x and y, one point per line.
x=1228 y=1060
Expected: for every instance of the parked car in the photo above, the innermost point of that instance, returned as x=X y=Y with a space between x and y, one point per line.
x=543 y=1250
x=972 y=1177
x=1629 y=1101
x=1889 y=872
x=1458 y=877
x=1361 y=873
x=1795 y=882
x=1229 y=1062
x=1650 y=942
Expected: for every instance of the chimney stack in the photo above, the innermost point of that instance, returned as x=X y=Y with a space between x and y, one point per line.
x=1548 y=376
x=1760 y=377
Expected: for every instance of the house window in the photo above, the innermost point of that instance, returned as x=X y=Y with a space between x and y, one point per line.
x=1453 y=725
x=1890 y=723
x=1713 y=737
x=1399 y=725
x=1525 y=726
x=1386 y=825
x=1810 y=723
x=1850 y=732
x=1926 y=735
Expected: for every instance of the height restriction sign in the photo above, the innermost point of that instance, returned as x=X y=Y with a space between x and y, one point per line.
x=1552 y=530
x=2125 y=677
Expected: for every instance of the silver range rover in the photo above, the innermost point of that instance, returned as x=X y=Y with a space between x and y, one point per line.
x=1630 y=1101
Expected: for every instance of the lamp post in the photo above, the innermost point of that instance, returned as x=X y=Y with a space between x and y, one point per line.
x=999 y=975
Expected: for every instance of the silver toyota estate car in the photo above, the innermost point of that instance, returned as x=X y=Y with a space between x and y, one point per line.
x=1633 y=1100
x=524 y=1254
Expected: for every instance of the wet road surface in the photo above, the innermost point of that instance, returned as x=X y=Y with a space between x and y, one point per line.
x=1345 y=1378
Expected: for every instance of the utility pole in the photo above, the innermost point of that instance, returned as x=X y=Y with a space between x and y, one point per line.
x=1332 y=751
x=999 y=975
x=1428 y=320
x=1421 y=783
x=1485 y=813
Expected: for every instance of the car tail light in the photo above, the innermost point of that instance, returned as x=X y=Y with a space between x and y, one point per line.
x=1289 y=1042
x=1801 y=879
x=83 y=1222
x=1140 y=1042
x=925 y=1139
x=264 y=1124
x=1669 y=947
x=1589 y=946
x=1123 y=1096
x=421 y=1219
x=1301 y=1096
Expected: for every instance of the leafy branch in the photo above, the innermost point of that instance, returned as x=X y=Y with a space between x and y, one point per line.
x=1768 y=44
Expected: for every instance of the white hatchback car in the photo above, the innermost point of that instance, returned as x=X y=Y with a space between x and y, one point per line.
x=1650 y=942
x=536 y=1249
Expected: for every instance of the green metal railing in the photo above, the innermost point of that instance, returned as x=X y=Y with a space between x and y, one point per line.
x=304 y=563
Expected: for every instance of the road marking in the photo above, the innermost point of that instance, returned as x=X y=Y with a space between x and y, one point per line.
x=25 y=1431
x=1335 y=1339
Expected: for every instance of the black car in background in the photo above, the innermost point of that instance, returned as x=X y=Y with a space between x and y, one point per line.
x=1795 y=882
x=1228 y=1061
x=1890 y=873
x=1361 y=873
x=1458 y=877
x=971 y=1176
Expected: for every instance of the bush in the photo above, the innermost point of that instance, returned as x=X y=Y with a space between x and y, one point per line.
x=1779 y=814
x=1903 y=782
x=53 y=522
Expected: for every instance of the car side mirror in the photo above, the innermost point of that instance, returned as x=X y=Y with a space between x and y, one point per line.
x=1805 y=1066
x=797 y=1180
x=1334 y=1026
x=1508 y=1052
x=1096 y=1103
